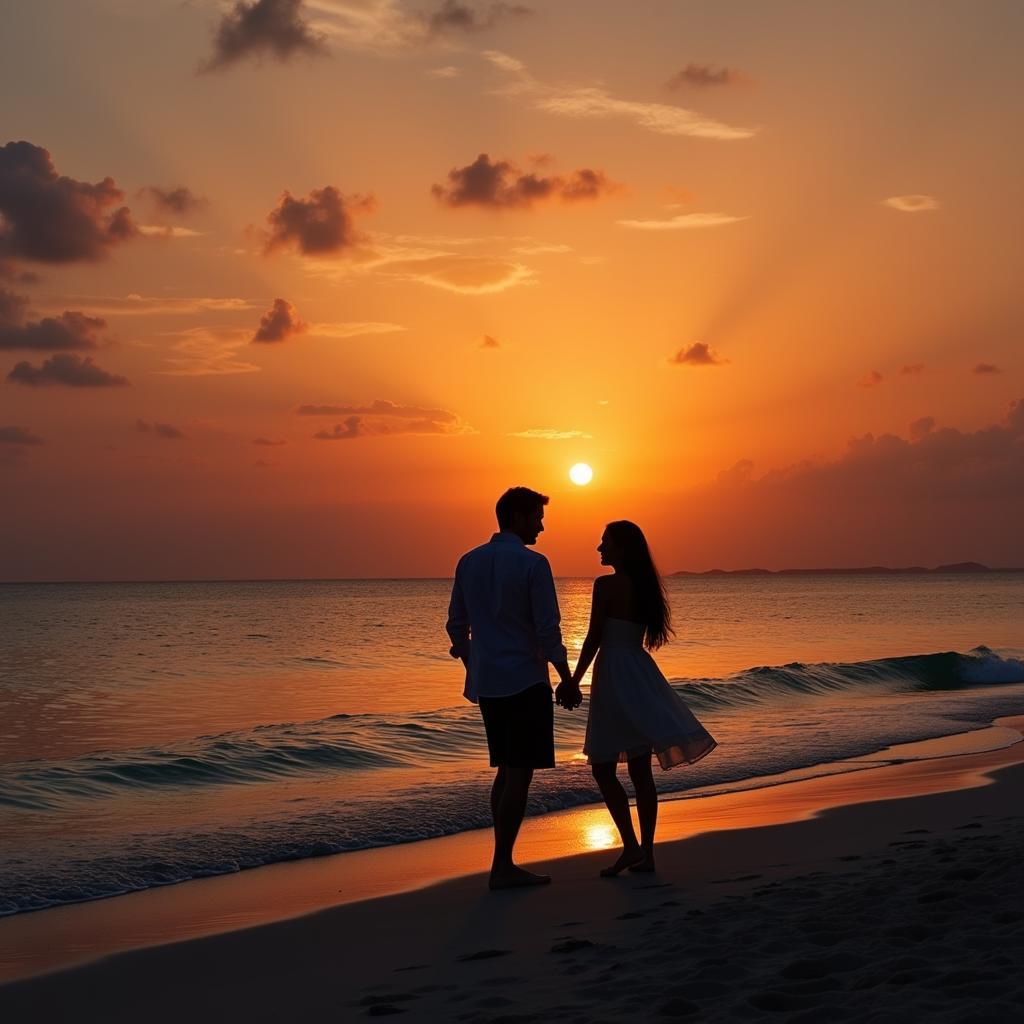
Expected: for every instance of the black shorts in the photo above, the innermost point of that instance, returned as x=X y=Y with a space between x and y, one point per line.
x=521 y=728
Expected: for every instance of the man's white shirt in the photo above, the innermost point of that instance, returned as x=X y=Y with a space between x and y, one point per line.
x=503 y=618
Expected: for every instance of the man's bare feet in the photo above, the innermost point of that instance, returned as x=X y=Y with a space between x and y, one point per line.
x=515 y=878
x=626 y=860
x=645 y=865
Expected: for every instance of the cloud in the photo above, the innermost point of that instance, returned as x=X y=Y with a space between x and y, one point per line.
x=546 y=434
x=703 y=76
x=911 y=369
x=141 y=305
x=384 y=417
x=168 y=231
x=262 y=28
x=462 y=17
x=698 y=354
x=341 y=433
x=540 y=249
x=870 y=380
x=918 y=429
x=279 y=323
x=465 y=275
x=19 y=436
x=490 y=342
x=945 y=463
x=177 y=200
x=380 y=407
x=207 y=351
x=50 y=218
x=501 y=185
x=421 y=259
x=161 y=430
x=446 y=72
x=682 y=221
x=596 y=103
x=912 y=204
x=65 y=369
x=982 y=368
x=265 y=442
x=70 y=330
x=504 y=62
x=353 y=329
x=319 y=225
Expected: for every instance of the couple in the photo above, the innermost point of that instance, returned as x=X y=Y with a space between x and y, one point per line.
x=503 y=622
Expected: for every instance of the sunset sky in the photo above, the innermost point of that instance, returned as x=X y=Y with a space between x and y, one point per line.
x=296 y=289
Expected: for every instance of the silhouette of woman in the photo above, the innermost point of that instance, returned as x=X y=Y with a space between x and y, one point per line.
x=634 y=712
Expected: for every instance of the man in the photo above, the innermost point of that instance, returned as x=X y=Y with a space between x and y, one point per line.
x=503 y=622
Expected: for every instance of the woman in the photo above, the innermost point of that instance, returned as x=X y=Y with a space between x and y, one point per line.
x=634 y=712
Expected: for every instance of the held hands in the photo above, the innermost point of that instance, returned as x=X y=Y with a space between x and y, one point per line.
x=568 y=695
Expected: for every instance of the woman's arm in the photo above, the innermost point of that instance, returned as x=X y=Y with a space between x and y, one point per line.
x=598 y=613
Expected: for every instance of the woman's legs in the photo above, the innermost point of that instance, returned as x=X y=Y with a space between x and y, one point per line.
x=618 y=806
x=646 y=808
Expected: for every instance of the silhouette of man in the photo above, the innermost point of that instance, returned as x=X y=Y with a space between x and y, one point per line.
x=503 y=622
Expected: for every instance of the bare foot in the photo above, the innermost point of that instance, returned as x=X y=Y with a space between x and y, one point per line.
x=644 y=865
x=515 y=878
x=626 y=860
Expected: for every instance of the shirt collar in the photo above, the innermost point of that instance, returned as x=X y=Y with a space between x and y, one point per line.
x=507 y=537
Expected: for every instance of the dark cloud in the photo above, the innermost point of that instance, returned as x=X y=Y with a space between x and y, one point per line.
x=501 y=185
x=319 y=225
x=919 y=428
x=911 y=369
x=704 y=76
x=279 y=323
x=944 y=495
x=380 y=407
x=341 y=433
x=452 y=15
x=11 y=272
x=67 y=369
x=265 y=442
x=49 y=218
x=698 y=354
x=987 y=368
x=176 y=200
x=262 y=28
x=18 y=435
x=164 y=430
x=870 y=380
x=384 y=417
x=70 y=330
x=490 y=342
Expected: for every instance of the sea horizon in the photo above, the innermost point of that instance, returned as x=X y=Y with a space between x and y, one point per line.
x=945 y=569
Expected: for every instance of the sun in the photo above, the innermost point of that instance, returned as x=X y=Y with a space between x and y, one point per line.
x=581 y=474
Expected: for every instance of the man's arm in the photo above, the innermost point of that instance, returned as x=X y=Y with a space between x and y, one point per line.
x=458 y=622
x=547 y=619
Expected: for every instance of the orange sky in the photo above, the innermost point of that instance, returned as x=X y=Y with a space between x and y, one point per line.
x=757 y=264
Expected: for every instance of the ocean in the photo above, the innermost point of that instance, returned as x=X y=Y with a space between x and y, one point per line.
x=155 y=732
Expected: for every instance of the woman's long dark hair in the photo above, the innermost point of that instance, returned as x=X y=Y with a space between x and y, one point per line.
x=648 y=590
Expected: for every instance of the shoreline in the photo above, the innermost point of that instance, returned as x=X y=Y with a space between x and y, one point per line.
x=223 y=907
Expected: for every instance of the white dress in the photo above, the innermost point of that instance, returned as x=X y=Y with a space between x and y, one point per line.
x=633 y=708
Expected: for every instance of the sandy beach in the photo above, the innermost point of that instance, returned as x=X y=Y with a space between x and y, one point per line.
x=892 y=892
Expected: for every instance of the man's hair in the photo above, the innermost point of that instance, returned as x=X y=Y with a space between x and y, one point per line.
x=517 y=501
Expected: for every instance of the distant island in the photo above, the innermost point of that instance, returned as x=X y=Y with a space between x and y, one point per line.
x=867 y=570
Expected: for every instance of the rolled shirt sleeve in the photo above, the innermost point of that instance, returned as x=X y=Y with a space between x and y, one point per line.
x=544 y=608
